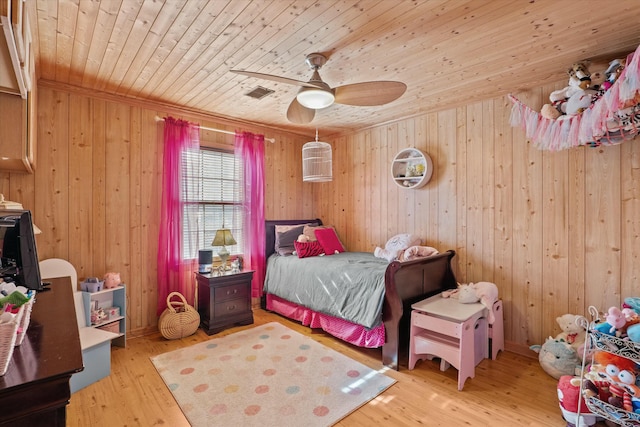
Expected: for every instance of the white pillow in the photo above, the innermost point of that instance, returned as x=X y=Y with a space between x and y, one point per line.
x=396 y=244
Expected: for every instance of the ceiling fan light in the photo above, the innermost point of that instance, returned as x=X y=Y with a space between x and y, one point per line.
x=315 y=98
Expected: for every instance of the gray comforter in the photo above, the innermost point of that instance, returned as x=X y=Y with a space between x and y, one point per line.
x=349 y=285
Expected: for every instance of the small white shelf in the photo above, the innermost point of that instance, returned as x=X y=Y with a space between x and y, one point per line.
x=411 y=168
x=114 y=297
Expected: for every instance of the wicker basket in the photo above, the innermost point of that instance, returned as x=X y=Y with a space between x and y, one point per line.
x=179 y=319
x=24 y=321
x=8 y=336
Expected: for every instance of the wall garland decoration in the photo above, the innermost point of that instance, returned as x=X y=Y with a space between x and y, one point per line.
x=612 y=119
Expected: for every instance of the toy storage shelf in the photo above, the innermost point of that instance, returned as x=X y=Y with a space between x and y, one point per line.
x=619 y=347
x=411 y=168
x=106 y=298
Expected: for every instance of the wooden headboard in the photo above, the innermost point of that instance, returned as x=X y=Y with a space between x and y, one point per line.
x=270 y=231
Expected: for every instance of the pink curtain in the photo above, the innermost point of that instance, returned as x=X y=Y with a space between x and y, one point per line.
x=174 y=273
x=250 y=148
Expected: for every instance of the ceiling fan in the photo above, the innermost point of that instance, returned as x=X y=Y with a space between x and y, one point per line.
x=316 y=94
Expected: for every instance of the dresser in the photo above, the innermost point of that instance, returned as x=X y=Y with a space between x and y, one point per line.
x=224 y=301
x=35 y=390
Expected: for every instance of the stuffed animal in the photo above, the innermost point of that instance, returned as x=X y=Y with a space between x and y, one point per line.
x=487 y=293
x=557 y=358
x=111 y=280
x=568 y=397
x=484 y=292
x=613 y=72
x=572 y=332
x=396 y=245
x=580 y=101
x=616 y=373
x=615 y=317
x=579 y=79
x=467 y=294
x=414 y=252
x=303 y=238
x=464 y=293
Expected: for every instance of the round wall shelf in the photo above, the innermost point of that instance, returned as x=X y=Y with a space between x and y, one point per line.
x=411 y=168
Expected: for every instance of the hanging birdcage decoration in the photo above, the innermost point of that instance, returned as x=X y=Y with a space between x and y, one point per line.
x=316 y=161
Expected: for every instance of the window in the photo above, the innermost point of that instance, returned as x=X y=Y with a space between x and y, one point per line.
x=216 y=201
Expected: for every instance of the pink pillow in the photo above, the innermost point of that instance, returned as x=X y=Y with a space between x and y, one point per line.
x=329 y=241
x=308 y=249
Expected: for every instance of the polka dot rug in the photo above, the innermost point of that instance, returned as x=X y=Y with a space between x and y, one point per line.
x=269 y=375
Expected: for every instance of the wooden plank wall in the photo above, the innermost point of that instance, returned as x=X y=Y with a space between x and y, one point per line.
x=96 y=191
x=556 y=232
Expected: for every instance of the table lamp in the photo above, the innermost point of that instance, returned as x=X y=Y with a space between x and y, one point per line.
x=223 y=238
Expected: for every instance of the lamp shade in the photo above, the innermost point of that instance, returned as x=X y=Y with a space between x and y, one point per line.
x=223 y=237
x=316 y=162
x=315 y=98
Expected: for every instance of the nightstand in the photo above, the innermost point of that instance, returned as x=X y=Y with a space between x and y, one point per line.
x=224 y=301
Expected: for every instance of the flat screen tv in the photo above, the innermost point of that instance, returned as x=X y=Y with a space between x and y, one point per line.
x=19 y=256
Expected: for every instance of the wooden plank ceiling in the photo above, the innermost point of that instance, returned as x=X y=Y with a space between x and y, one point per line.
x=448 y=52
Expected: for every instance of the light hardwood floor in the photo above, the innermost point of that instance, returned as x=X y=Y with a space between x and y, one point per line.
x=512 y=390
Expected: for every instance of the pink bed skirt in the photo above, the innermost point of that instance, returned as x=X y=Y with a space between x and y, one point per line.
x=346 y=331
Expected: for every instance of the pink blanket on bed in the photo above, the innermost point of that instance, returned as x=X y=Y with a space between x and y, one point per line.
x=346 y=331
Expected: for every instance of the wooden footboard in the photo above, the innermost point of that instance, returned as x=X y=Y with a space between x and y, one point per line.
x=407 y=283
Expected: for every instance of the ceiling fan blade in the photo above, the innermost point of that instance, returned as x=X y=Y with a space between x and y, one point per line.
x=298 y=113
x=369 y=93
x=276 y=78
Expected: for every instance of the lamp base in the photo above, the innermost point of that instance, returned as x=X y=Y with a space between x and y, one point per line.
x=224 y=256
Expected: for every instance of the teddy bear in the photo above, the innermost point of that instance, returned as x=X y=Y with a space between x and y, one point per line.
x=572 y=333
x=396 y=245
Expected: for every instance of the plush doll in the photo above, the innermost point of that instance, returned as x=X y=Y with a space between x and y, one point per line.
x=396 y=245
x=580 y=100
x=111 y=280
x=579 y=79
x=616 y=373
x=572 y=333
x=467 y=294
x=464 y=293
x=414 y=252
x=613 y=72
x=557 y=358
x=487 y=293
x=568 y=396
x=633 y=332
x=484 y=292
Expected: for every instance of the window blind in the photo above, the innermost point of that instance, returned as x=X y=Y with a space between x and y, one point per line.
x=217 y=199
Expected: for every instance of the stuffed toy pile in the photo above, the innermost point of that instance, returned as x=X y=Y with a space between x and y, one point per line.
x=562 y=354
x=581 y=92
x=611 y=378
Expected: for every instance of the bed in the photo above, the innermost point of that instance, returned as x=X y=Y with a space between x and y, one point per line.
x=402 y=284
